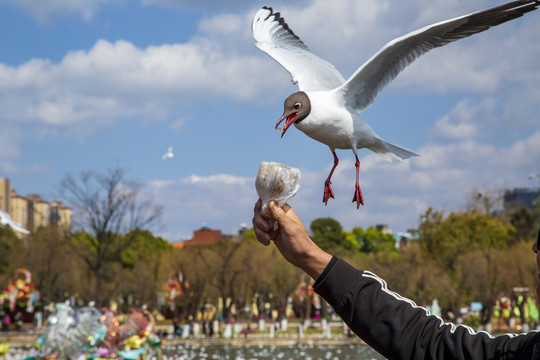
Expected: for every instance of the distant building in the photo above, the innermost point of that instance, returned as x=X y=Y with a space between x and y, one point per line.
x=5 y=193
x=61 y=215
x=521 y=197
x=40 y=212
x=202 y=237
x=403 y=239
x=383 y=228
x=19 y=210
x=32 y=212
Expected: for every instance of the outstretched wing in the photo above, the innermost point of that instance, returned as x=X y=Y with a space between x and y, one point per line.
x=364 y=85
x=5 y=219
x=274 y=37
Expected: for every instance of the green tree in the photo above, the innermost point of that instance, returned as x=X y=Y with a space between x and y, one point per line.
x=144 y=267
x=445 y=238
x=462 y=245
x=10 y=247
x=372 y=240
x=106 y=206
x=536 y=214
x=262 y=279
x=416 y=276
x=524 y=223
x=50 y=258
x=328 y=234
x=285 y=279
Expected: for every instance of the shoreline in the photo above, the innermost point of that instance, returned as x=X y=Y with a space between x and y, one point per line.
x=18 y=339
x=267 y=341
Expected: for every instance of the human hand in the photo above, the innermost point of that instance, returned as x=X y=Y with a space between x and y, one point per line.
x=290 y=238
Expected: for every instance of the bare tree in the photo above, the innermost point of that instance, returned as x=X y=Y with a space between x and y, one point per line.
x=105 y=207
x=487 y=200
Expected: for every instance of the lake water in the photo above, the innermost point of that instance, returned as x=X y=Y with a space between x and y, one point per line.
x=300 y=351
x=309 y=352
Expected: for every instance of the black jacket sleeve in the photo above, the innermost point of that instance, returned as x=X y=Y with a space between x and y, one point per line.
x=399 y=329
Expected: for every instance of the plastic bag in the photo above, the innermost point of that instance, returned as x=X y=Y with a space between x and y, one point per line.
x=276 y=182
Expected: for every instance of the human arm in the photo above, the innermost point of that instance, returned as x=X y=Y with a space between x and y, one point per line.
x=290 y=238
x=399 y=329
x=393 y=325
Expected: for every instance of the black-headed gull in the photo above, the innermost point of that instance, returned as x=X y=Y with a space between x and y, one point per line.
x=168 y=154
x=327 y=108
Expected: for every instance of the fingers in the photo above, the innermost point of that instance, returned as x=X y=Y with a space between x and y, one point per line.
x=260 y=225
x=259 y=221
x=262 y=236
x=258 y=206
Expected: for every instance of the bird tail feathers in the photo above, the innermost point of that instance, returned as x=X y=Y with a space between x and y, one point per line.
x=393 y=153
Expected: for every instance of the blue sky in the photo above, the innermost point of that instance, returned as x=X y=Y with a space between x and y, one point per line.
x=94 y=84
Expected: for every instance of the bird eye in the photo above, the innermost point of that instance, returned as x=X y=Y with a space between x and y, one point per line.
x=297 y=106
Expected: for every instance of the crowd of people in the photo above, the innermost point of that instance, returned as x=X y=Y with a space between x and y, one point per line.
x=11 y=322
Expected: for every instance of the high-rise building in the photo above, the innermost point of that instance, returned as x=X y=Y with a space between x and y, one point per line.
x=32 y=212
x=60 y=214
x=39 y=213
x=5 y=193
x=521 y=197
x=19 y=209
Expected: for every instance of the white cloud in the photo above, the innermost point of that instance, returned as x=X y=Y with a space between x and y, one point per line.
x=227 y=24
x=178 y=124
x=446 y=128
x=221 y=201
x=220 y=179
x=207 y=6
x=45 y=11
x=114 y=80
x=463 y=120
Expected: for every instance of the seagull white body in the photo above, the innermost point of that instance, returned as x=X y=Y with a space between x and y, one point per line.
x=333 y=123
x=327 y=108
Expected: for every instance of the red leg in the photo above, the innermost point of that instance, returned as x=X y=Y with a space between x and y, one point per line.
x=328 y=193
x=357 y=192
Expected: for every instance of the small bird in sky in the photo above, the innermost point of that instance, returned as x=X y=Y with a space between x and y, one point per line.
x=168 y=154
x=327 y=108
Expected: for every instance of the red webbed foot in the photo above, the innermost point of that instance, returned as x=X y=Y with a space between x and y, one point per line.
x=358 y=198
x=328 y=192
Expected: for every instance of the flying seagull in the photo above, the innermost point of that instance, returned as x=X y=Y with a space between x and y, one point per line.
x=5 y=219
x=168 y=154
x=327 y=108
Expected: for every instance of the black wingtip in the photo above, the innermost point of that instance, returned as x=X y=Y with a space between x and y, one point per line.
x=277 y=17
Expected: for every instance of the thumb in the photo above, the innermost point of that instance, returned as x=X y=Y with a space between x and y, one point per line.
x=276 y=211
